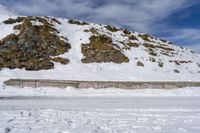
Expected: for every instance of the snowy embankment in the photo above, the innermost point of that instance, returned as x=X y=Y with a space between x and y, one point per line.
x=50 y=91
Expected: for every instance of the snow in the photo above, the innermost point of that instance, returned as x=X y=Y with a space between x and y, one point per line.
x=70 y=91
x=109 y=121
x=7 y=29
x=107 y=110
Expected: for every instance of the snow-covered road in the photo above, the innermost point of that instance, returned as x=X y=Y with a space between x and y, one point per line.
x=85 y=114
x=101 y=103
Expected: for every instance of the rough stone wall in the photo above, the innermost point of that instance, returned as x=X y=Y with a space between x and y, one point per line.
x=98 y=84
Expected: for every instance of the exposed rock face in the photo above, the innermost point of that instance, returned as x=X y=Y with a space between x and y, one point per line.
x=33 y=47
x=112 y=28
x=140 y=64
x=101 y=49
x=71 y=21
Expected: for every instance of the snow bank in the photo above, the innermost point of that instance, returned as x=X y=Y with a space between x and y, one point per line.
x=70 y=92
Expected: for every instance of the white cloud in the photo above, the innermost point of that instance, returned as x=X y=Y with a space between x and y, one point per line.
x=187 y=36
x=193 y=34
x=140 y=15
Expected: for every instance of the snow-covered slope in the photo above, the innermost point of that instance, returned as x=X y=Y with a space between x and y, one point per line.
x=138 y=57
x=5 y=13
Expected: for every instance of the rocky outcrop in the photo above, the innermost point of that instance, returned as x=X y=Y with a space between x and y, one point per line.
x=33 y=47
x=71 y=21
x=101 y=49
x=140 y=64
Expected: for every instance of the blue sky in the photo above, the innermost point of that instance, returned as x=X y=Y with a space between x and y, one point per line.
x=175 y=20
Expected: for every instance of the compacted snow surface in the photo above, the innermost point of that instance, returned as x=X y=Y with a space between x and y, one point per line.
x=99 y=111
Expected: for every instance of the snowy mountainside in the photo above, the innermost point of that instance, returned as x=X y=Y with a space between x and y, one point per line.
x=87 y=51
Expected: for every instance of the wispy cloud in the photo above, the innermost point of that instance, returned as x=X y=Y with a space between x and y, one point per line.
x=141 y=15
x=179 y=34
x=190 y=37
x=194 y=47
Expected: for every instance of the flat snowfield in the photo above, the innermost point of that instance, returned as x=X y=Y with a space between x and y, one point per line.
x=99 y=111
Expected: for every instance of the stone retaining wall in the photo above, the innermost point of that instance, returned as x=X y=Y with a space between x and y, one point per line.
x=98 y=84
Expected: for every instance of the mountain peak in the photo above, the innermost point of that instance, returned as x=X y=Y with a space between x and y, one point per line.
x=5 y=12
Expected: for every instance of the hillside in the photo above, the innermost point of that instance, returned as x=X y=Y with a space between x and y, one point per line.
x=56 y=48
